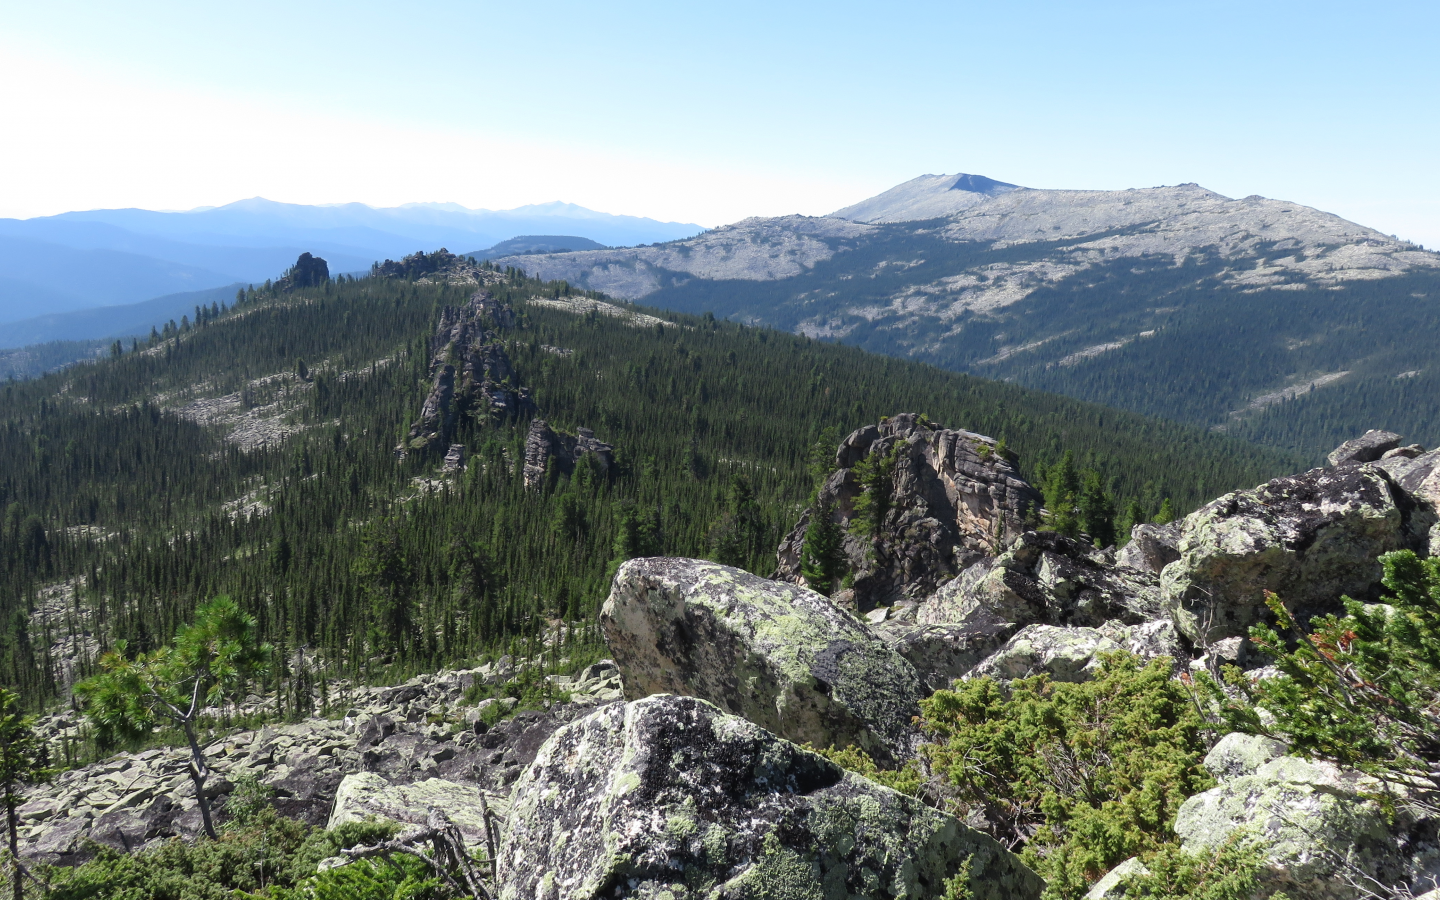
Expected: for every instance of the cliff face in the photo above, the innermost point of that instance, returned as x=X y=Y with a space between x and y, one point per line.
x=473 y=375
x=544 y=443
x=953 y=500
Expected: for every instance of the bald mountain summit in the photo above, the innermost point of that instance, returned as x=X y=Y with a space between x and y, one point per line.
x=1257 y=317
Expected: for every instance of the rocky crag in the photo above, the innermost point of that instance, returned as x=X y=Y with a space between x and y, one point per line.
x=545 y=446
x=472 y=373
x=954 y=499
x=440 y=267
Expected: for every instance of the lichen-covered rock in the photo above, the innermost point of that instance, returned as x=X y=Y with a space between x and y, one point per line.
x=1368 y=447
x=668 y=797
x=1311 y=820
x=1418 y=476
x=1116 y=883
x=1044 y=578
x=1237 y=755
x=1072 y=653
x=1308 y=537
x=953 y=500
x=941 y=653
x=1151 y=548
x=364 y=795
x=782 y=656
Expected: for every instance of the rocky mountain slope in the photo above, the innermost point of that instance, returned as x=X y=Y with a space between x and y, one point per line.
x=1100 y=294
x=678 y=767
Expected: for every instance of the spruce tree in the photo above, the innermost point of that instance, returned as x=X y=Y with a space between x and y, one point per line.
x=822 y=559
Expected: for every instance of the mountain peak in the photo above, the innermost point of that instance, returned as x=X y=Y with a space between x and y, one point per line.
x=927 y=197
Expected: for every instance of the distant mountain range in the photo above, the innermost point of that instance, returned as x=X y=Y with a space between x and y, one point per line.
x=1261 y=317
x=81 y=260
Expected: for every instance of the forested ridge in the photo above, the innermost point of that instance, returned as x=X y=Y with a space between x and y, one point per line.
x=1183 y=339
x=132 y=493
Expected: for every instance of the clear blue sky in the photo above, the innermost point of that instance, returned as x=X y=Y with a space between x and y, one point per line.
x=711 y=112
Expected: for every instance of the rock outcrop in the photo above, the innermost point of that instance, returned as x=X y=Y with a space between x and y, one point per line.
x=1073 y=654
x=364 y=795
x=1322 y=836
x=1151 y=548
x=953 y=499
x=1044 y=578
x=1370 y=446
x=782 y=656
x=670 y=797
x=440 y=267
x=1309 y=537
x=544 y=444
x=472 y=373
x=308 y=271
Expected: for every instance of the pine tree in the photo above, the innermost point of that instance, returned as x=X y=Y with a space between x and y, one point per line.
x=1096 y=510
x=210 y=661
x=1061 y=490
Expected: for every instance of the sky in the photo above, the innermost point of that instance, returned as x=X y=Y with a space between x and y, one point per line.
x=711 y=113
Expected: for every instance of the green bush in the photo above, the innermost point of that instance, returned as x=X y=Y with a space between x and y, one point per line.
x=1359 y=689
x=1077 y=777
x=258 y=853
x=907 y=779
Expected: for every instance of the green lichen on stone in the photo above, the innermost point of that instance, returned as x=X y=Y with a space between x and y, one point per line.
x=782 y=874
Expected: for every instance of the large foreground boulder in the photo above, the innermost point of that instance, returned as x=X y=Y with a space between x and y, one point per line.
x=1309 y=537
x=780 y=655
x=668 y=797
x=1322 y=836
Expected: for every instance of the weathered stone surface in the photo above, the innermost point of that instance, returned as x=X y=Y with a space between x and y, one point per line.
x=1310 y=818
x=544 y=443
x=133 y=799
x=1368 y=447
x=668 y=797
x=1237 y=755
x=1418 y=476
x=1073 y=653
x=365 y=794
x=1151 y=548
x=941 y=653
x=1044 y=578
x=955 y=500
x=782 y=656
x=1116 y=883
x=1308 y=537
